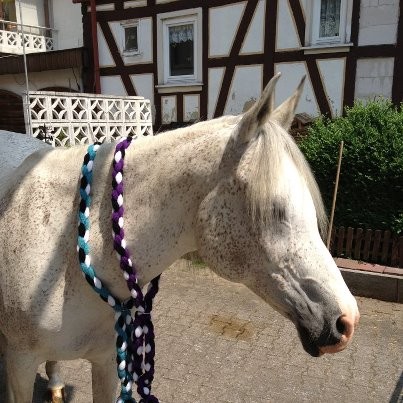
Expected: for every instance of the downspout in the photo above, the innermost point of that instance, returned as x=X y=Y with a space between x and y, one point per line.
x=95 y=53
x=27 y=112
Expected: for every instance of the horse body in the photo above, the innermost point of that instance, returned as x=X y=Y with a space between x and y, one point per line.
x=185 y=190
x=41 y=202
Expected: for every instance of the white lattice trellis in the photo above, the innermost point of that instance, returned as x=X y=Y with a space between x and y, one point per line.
x=36 y=39
x=77 y=118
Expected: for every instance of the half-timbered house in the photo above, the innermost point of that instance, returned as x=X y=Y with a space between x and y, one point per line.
x=51 y=34
x=197 y=59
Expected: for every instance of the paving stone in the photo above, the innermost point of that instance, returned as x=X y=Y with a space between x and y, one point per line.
x=219 y=343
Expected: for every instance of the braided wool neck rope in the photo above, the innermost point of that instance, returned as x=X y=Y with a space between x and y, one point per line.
x=135 y=333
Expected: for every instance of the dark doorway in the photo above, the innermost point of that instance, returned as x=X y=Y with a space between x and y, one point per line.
x=11 y=112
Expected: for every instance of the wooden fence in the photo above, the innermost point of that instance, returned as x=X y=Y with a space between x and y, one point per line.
x=374 y=246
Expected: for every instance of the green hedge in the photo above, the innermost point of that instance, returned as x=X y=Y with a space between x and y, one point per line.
x=371 y=182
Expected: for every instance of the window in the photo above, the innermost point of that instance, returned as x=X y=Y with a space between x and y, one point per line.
x=7 y=11
x=181 y=50
x=329 y=25
x=130 y=37
x=329 y=22
x=180 y=43
x=179 y=47
x=131 y=42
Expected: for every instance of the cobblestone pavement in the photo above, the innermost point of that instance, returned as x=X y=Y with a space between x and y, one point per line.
x=217 y=342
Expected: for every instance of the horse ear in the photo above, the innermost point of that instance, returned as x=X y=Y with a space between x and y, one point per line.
x=258 y=114
x=284 y=113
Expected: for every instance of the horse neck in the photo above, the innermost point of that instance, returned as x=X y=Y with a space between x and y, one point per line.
x=166 y=179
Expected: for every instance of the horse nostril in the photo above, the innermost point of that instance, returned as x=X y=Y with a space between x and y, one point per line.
x=345 y=329
x=345 y=325
x=341 y=325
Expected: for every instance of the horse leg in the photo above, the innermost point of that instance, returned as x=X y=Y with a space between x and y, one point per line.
x=55 y=385
x=21 y=367
x=104 y=379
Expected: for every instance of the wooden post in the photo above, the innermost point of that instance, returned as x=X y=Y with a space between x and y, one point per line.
x=334 y=195
x=95 y=51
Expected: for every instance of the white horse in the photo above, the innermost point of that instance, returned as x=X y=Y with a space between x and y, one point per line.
x=237 y=189
x=14 y=148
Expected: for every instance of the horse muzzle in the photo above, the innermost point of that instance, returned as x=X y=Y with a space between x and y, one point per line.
x=346 y=326
x=333 y=338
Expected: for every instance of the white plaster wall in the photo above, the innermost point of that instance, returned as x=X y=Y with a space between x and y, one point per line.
x=39 y=80
x=191 y=107
x=102 y=7
x=287 y=36
x=245 y=89
x=33 y=12
x=223 y=22
x=169 y=109
x=215 y=76
x=254 y=38
x=144 y=85
x=378 y=22
x=118 y=34
x=332 y=74
x=374 y=78
x=134 y=3
x=145 y=41
x=105 y=56
x=112 y=85
x=287 y=84
x=64 y=16
x=304 y=6
x=67 y=19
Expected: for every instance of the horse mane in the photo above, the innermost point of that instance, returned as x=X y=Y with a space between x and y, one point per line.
x=268 y=149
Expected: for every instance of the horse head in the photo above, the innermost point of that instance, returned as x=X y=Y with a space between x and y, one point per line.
x=261 y=225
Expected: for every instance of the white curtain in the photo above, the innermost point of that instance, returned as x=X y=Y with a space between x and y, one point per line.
x=181 y=33
x=329 y=18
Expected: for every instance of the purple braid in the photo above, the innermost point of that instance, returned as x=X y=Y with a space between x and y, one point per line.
x=142 y=348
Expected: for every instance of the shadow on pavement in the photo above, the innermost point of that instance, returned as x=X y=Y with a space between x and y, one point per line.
x=41 y=394
x=397 y=395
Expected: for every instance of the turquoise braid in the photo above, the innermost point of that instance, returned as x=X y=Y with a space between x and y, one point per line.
x=124 y=319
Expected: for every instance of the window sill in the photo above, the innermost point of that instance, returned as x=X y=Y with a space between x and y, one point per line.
x=127 y=53
x=191 y=86
x=327 y=48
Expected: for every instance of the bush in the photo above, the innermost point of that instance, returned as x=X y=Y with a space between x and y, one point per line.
x=371 y=182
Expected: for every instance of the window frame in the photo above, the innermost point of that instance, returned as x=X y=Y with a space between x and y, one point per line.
x=130 y=24
x=175 y=22
x=169 y=19
x=313 y=39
